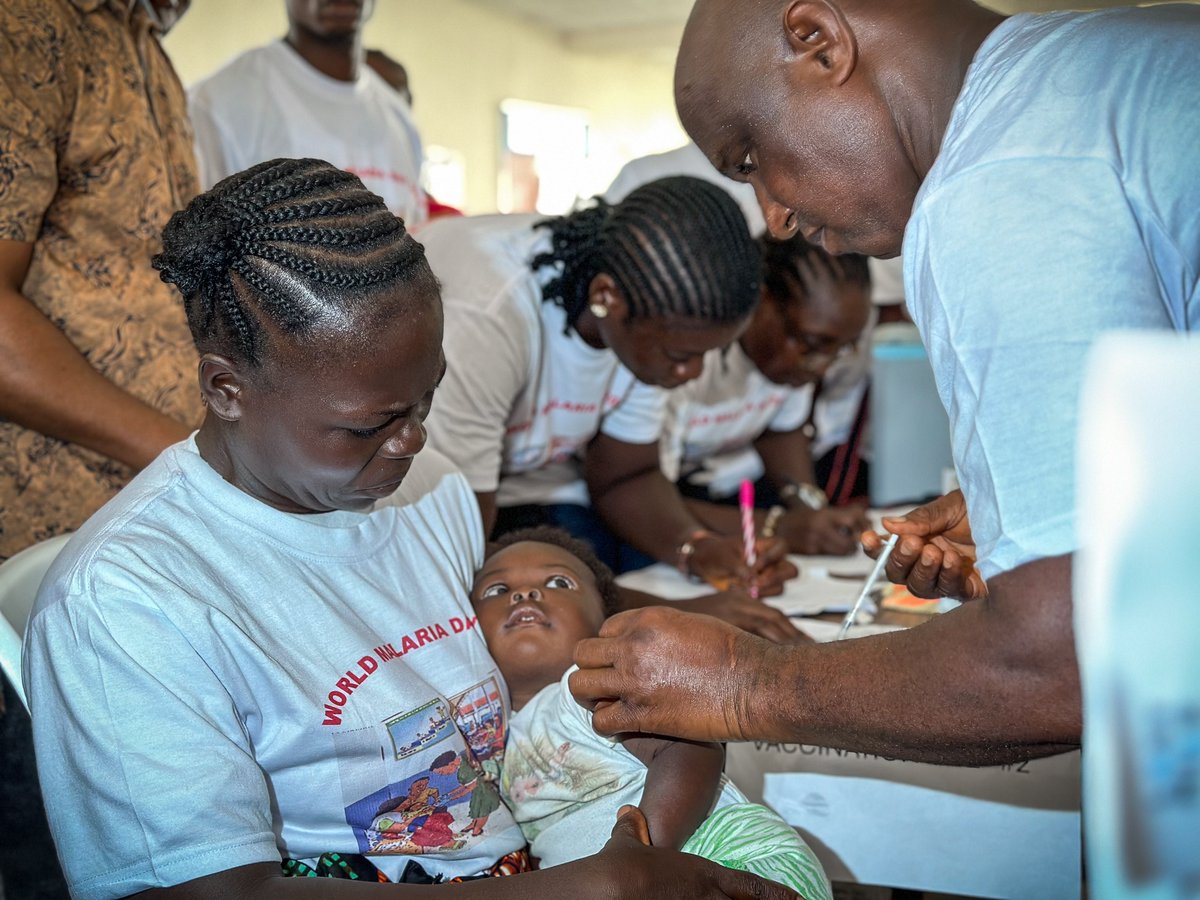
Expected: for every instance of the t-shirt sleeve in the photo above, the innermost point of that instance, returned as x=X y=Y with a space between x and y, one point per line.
x=487 y=359
x=1017 y=268
x=139 y=742
x=212 y=151
x=793 y=412
x=638 y=416
x=34 y=84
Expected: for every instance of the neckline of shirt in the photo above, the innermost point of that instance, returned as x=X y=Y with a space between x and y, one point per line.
x=336 y=534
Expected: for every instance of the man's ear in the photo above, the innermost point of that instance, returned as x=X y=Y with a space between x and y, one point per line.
x=604 y=291
x=222 y=384
x=820 y=36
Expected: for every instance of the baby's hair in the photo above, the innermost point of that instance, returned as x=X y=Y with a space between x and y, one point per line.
x=548 y=534
x=677 y=246
x=296 y=243
x=781 y=260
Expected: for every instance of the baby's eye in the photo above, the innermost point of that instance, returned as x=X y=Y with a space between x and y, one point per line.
x=746 y=166
x=494 y=590
x=559 y=581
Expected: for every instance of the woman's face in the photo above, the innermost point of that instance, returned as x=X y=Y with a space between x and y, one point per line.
x=335 y=423
x=666 y=351
x=793 y=340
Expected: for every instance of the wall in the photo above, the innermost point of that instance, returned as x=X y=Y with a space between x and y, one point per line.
x=462 y=61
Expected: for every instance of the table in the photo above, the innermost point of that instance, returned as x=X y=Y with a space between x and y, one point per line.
x=1000 y=832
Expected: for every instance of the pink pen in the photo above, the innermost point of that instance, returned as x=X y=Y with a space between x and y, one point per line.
x=746 y=502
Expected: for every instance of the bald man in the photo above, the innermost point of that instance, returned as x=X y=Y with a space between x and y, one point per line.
x=1041 y=173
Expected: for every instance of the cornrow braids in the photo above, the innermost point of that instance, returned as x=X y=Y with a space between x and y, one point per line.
x=676 y=246
x=781 y=261
x=297 y=243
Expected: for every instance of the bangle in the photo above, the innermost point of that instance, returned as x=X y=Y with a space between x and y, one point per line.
x=686 y=550
x=774 y=514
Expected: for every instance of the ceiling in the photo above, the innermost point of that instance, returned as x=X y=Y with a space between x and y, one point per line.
x=653 y=27
x=605 y=26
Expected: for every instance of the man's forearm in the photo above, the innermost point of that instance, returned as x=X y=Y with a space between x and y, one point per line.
x=48 y=386
x=993 y=681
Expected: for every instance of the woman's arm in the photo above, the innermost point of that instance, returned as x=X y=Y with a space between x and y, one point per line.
x=787 y=459
x=625 y=868
x=642 y=507
x=682 y=780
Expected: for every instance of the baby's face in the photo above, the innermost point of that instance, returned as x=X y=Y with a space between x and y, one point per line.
x=535 y=602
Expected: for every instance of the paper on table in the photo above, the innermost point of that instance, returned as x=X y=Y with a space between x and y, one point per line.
x=858 y=824
x=814 y=592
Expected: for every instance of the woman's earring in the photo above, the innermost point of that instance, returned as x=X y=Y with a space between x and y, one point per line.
x=599 y=310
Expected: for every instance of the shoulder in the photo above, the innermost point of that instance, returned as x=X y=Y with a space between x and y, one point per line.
x=436 y=501
x=484 y=266
x=127 y=535
x=237 y=79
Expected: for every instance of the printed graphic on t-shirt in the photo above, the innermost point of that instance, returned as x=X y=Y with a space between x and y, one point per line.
x=442 y=761
x=479 y=713
x=419 y=728
x=545 y=781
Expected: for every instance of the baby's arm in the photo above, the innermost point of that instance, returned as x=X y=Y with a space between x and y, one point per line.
x=682 y=779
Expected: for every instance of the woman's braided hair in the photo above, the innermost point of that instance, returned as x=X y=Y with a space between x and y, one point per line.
x=781 y=265
x=677 y=246
x=298 y=243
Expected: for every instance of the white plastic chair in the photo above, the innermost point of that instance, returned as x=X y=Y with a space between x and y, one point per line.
x=20 y=578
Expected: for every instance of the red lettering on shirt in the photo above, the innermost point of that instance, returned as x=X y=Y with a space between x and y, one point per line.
x=352 y=679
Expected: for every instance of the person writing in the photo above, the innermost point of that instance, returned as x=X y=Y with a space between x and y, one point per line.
x=244 y=664
x=757 y=398
x=559 y=334
x=1029 y=229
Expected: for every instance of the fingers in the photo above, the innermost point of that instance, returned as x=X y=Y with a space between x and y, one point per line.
x=933 y=518
x=770 y=551
x=747 y=886
x=631 y=826
x=596 y=653
x=924 y=576
x=767 y=622
x=615 y=718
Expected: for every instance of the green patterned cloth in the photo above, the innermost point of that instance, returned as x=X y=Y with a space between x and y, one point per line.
x=752 y=838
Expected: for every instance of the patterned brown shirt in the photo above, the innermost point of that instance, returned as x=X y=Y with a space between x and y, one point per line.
x=95 y=155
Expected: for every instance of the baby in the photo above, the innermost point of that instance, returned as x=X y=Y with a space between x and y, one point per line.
x=536 y=596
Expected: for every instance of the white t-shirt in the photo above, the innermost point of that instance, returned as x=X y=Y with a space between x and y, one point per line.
x=520 y=398
x=716 y=418
x=269 y=102
x=216 y=683
x=1062 y=205
x=564 y=783
x=686 y=160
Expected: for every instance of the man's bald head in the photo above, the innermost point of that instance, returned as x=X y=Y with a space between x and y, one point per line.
x=832 y=109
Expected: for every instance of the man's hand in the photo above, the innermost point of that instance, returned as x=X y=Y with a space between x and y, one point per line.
x=629 y=867
x=831 y=531
x=662 y=671
x=738 y=608
x=935 y=556
x=721 y=562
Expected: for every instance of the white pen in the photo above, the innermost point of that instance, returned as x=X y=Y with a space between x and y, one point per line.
x=879 y=564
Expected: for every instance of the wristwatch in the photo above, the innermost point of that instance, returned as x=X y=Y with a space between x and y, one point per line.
x=806 y=492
